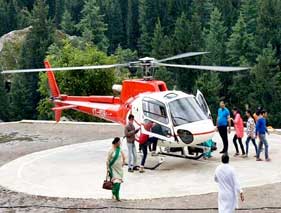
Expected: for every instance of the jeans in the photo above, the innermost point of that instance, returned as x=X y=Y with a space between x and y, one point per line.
x=240 y=143
x=144 y=152
x=263 y=141
x=223 y=134
x=151 y=141
x=132 y=153
x=254 y=143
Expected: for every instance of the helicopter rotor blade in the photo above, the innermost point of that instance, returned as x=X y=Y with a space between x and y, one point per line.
x=210 y=68
x=183 y=55
x=66 y=68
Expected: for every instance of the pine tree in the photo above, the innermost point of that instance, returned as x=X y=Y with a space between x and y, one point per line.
x=8 y=17
x=161 y=47
x=265 y=81
x=215 y=38
x=210 y=85
x=204 y=9
x=196 y=33
x=24 y=95
x=92 y=25
x=241 y=51
x=157 y=39
x=132 y=24
x=67 y=23
x=147 y=18
x=249 y=10
x=229 y=10
x=241 y=45
x=182 y=36
x=269 y=25
x=115 y=33
x=59 y=11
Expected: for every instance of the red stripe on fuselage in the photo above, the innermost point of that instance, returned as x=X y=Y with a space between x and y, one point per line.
x=204 y=133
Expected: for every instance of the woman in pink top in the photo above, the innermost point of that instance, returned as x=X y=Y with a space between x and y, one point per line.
x=239 y=131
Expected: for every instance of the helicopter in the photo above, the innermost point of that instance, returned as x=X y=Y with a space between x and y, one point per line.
x=185 y=119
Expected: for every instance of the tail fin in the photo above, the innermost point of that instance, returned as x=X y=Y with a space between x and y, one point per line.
x=52 y=80
x=54 y=88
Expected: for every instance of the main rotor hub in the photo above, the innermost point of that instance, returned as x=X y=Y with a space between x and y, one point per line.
x=147 y=64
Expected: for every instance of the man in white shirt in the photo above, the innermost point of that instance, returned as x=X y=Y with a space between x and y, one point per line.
x=229 y=187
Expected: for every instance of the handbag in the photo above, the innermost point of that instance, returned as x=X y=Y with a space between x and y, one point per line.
x=107 y=183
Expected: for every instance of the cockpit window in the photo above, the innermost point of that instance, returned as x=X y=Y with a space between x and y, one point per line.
x=186 y=110
x=155 y=109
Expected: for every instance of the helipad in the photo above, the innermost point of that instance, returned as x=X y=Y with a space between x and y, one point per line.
x=78 y=171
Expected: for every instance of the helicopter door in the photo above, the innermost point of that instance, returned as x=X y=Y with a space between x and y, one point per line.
x=155 y=113
x=203 y=104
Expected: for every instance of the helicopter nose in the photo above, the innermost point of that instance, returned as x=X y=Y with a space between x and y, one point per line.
x=196 y=132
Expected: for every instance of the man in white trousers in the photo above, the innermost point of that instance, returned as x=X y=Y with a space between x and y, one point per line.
x=229 y=187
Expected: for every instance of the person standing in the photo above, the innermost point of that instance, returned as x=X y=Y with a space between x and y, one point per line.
x=251 y=132
x=222 y=121
x=144 y=143
x=229 y=186
x=115 y=162
x=239 y=131
x=261 y=131
x=130 y=133
x=257 y=114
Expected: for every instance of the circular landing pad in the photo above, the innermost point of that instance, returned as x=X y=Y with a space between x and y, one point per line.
x=78 y=171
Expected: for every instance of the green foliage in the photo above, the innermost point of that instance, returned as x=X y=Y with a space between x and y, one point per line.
x=241 y=45
x=92 y=25
x=235 y=32
x=7 y=16
x=115 y=33
x=123 y=56
x=215 y=38
x=249 y=10
x=24 y=96
x=203 y=8
x=229 y=10
x=210 y=85
x=67 y=23
x=161 y=46
x=84 y=82
x=269 y=25
x=266 y=83
x=132 y=25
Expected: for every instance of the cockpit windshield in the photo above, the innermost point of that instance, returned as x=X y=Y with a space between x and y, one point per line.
x=186 y=110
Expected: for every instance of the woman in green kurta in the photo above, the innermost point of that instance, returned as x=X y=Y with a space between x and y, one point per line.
x=115 y=163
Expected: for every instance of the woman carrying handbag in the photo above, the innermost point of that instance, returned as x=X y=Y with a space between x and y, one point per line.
x=115 y=163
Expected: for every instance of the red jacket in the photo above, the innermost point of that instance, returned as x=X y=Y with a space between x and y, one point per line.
x=144 y=137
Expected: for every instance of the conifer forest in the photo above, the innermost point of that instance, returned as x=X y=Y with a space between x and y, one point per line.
x=89 y=32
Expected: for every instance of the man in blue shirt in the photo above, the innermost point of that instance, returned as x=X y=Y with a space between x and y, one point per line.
x=261 y=131
x=222 y=121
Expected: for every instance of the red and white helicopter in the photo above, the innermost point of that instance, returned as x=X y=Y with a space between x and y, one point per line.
x=184 y=119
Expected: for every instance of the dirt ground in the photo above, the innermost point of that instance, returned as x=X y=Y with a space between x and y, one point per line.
x=19 y=139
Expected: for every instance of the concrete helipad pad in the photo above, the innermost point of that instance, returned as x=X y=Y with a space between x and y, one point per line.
x=78 y=171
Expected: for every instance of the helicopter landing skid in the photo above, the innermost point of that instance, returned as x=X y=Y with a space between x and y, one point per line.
x=161 y=160
x=196 y=157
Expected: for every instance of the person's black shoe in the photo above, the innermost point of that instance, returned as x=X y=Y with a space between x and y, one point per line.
x=136 y=168
x=130 y=170
x=221 y=152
